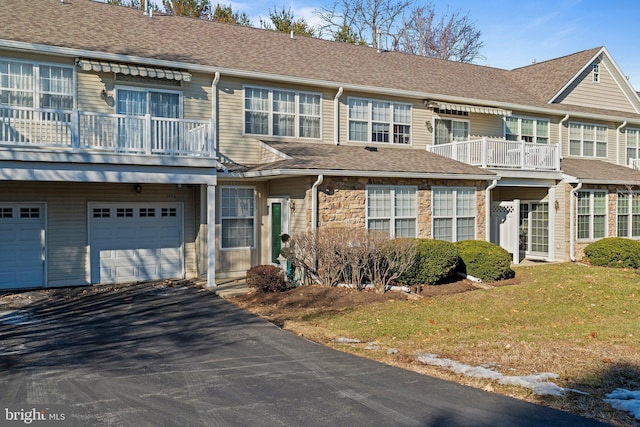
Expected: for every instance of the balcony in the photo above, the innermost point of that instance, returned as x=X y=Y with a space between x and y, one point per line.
x=502 y=154
x=81 y=131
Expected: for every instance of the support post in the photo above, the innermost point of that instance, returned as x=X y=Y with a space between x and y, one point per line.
x=211 y=236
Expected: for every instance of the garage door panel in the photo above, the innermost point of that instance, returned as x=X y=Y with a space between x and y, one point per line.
x=140 y=246
x=21 y=245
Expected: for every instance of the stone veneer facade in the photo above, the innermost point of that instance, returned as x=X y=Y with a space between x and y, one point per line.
x=342 y=201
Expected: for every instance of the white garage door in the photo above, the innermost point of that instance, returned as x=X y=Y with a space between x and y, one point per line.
x=22 y=245
x=136 y=241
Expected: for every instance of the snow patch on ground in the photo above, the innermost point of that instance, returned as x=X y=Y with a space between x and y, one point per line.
x=625 y=400
x=537 y=382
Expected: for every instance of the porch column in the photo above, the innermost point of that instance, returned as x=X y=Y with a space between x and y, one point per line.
x=211 y=236
x=552 y=223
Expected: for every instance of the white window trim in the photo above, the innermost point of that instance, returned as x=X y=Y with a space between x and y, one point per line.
x=391 y=122
x=270 y=112
x=595 y=75
x=392 y=218
x=535 y=128
x=36 y=77
x=148 y=90
x=454 y=216
x=629 y=213
x=595 y=141
x=591 y=215
x=433 y=126
x=254 y=217
x=626 y=143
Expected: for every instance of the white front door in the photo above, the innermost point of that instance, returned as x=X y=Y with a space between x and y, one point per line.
x=135 y=241
x=22 y=245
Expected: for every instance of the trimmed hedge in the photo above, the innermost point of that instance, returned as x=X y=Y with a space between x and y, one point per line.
x=614 y=252
x=267 y=278
x=484 y=260
x=436 y=261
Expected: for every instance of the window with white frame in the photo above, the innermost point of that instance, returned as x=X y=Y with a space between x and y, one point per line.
x=596 y=73
x=393 y=210
x=379 y=121
x=628 y=214
x=592 y=214
x=587 y=140
x=447 y=131
x=276 y=112
x=633 y=144
x=527 y=130
x=237 y=217
x=32 y=85
x=454 y=213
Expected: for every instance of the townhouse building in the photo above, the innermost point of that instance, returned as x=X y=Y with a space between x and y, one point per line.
x=137 y=147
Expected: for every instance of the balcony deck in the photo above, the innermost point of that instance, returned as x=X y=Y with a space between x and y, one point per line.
x=81 y=131
x=502 y=154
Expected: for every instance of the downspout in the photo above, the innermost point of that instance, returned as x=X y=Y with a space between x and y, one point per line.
x=314 y=202
x=560 y=141
x=572 y=222
x=624 y=124
x=336 y=116
x=487 y=208
x=214 y=111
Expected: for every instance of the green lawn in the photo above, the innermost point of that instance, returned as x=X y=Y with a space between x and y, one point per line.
x=578 y=321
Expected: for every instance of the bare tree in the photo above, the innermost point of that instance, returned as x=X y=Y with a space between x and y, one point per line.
x=453 y=37
x=366 y=18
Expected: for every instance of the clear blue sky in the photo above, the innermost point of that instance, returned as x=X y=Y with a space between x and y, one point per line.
x=516 y=32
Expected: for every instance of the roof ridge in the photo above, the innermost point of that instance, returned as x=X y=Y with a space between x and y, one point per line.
x=559 y=58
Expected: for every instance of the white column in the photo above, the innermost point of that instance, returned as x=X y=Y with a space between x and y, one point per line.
x=552 y=224
x=211 y=235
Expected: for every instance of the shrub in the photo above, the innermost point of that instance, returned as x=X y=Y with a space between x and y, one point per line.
x=614 y=252
x=485 y=260
x=267 y=278
x=435 y=262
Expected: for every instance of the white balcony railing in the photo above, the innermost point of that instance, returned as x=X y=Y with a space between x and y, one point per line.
x=501 y=154
x=115 y=133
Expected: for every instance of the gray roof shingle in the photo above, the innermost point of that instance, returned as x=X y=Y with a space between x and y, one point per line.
x=599 y=170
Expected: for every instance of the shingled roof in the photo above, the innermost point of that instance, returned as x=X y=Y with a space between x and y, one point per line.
x=99 y=30
x=599 y=171
x=305 y=158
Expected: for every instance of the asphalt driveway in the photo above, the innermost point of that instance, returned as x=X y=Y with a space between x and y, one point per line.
x=181 y=356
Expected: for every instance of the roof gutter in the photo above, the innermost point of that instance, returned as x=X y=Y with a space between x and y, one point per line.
x=214 y=111
x=572 y=221
x=624 y=124
x=314 y=203
x=487 y=209
x=72 y=52
x=334 y=172
x=336 y=116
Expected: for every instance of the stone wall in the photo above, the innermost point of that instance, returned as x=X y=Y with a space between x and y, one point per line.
x=342 y=201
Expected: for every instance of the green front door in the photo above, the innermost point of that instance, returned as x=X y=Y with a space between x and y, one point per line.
x=276 y=231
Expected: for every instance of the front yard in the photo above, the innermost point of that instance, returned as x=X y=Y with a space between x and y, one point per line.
x=577 y=321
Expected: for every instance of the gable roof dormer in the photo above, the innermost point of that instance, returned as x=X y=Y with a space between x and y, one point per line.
x=589 y=78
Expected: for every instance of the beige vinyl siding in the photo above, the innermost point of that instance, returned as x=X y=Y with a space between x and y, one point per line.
x=244 y=149
x=36 y=57
x=67 y=226
x=606 y=93
x=90 y=85
x=520 y=193
x=561 y=225
x=296 y=190
x=196 y=97
x=481 y=125
x=236 y=262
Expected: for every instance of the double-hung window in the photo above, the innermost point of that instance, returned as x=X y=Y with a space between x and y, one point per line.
x=237 y=217
x=587 y=140
x=592 y=214
x=628 y=214
x=392 y=210
x=276 y=112
x=527 y=130
x=633 y=144
x=454 y=213
x=32 y=85
x=448 y=131
x=379 y=121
